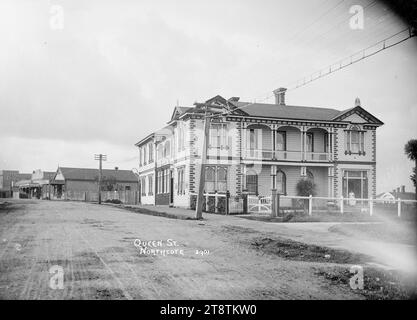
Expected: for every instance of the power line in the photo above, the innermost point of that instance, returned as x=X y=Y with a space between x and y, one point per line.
x=316 y=20
x=339 y=65
x=371 y=4
x=352 y=59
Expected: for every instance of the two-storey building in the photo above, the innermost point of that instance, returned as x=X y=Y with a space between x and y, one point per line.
x=255 y=147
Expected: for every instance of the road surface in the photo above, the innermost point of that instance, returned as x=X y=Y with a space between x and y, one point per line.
x=95 y=247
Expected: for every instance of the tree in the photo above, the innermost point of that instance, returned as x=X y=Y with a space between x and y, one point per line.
x=305 y=188
x=410 y=150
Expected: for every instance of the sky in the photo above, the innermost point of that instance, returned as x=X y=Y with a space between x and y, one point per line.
x=84 y=77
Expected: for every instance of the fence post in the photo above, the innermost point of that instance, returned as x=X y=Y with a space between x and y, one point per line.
x=85 y=196
x=273 y=202
x=216 y=202
x=227 y=201
x=245 y=201
x=399 y=208
x=341 y=204
x=310 y=204
x=371 y=207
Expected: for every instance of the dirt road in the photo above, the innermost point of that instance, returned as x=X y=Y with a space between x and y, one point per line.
x=95 y=246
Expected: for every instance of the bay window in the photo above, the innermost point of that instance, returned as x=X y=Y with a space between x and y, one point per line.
x=216 y=179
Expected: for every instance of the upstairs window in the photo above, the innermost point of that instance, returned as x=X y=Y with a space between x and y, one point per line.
x=181 y=137
x=167 y=149
x=218 y=135
x=354 y=141
x=144 y=155
x=150 y=153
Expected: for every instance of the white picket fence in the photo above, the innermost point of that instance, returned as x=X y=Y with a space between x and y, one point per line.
x=263 y=204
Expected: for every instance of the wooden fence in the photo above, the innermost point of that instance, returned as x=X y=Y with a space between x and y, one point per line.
x=126 y=197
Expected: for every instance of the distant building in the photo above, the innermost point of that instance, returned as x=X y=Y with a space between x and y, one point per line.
x=8 y=180
x=37 y=186
x=86 y=180
x=396 y=194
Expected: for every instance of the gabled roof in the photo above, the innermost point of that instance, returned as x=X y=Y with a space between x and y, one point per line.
x=361 y=112
x=88 y=174
x=179 y=111
x=148 y=137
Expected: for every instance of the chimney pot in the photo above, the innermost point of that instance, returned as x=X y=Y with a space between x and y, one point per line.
x=116 y=168
x=280 y=96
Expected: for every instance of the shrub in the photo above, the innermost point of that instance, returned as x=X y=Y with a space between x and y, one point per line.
x=114 y=201
x=305 y=188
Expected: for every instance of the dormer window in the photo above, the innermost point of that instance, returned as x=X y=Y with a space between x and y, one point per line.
x=354 y=141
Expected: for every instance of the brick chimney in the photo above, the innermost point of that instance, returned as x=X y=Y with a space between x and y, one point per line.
x=280 y=96
x=403 y=189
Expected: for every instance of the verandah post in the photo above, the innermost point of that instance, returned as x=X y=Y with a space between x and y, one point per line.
x=310 y=204
x=341 y=204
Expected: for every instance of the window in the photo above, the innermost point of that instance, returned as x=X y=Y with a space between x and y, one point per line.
x=181 y=185
x=310 y=142
x=127 y=188
x=159 y=182
x=181 y=137
x=150 y=185
x=140 y=157
x=354 y=141
x=281 y=182
x=160 y=151
x=144 y=154
x=150 y=153
x=252 y=183
x=167 y=149
x=216 y=179
x=281 y=141
x=210 y=184
x=217 y=135
x=166 y=181
x=143 y=186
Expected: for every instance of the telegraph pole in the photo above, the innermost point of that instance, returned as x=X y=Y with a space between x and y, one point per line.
x=100 y=157
x=200 y=194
